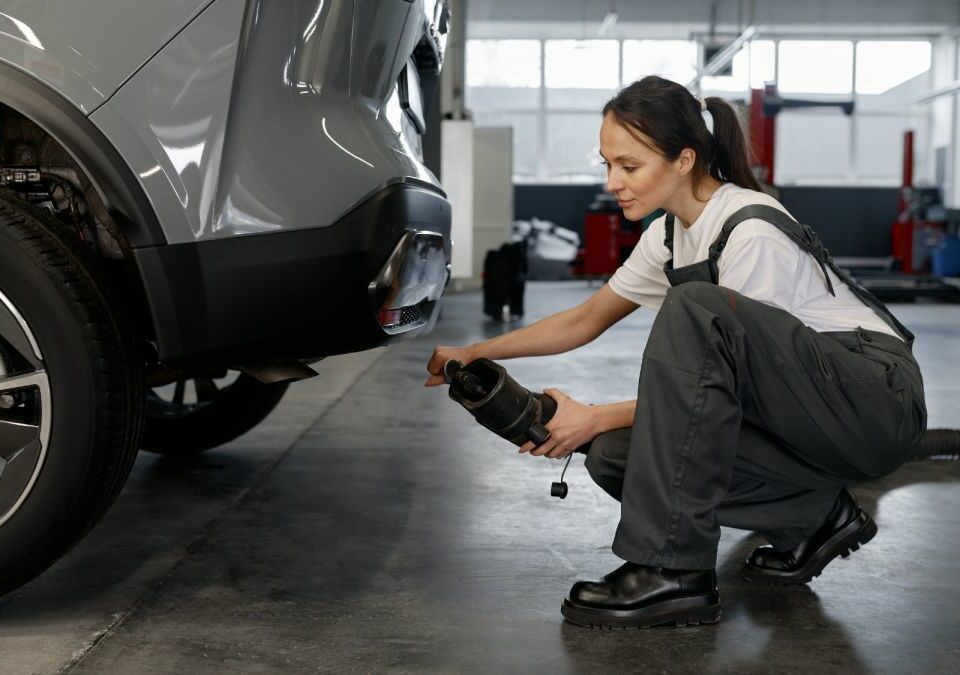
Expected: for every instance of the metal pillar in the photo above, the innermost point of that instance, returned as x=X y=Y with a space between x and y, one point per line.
x=453 y=80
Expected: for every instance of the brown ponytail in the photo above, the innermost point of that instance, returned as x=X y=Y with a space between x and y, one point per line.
x=669 y=115
x=731 y=161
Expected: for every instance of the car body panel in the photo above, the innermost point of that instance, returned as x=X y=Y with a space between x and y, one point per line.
x=170 y=119
x=281 y=160
x=62 y=42
x=118 y=189
x=281 y=124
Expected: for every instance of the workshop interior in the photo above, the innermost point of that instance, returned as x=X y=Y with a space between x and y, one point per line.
x=238 y=237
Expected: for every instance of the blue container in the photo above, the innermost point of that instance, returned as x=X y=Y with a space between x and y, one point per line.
x=946 y=258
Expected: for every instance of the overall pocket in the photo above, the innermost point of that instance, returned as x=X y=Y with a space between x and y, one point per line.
x=847 y=356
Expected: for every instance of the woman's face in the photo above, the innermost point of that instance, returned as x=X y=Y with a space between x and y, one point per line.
x=640 y=178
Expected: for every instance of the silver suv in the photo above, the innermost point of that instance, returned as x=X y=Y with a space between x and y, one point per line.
x=198 y=198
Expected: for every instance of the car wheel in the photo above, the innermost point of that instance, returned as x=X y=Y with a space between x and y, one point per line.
x=71 y=392
x=198 y=413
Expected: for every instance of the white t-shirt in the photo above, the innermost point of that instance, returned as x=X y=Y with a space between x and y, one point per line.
x=759 y=261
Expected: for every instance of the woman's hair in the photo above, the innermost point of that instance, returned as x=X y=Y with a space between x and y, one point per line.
x=669 y=115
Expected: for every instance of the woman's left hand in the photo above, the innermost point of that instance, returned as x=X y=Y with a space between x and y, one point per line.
x=573 y=425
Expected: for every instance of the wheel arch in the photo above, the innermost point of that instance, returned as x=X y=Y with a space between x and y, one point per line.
x=116 y=185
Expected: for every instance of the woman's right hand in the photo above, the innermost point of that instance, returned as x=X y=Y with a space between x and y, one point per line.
x=440 y=356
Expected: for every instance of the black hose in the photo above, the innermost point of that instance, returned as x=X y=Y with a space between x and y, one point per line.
x=937 y=444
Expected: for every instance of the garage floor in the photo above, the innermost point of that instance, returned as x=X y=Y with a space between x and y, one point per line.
x=369 y=526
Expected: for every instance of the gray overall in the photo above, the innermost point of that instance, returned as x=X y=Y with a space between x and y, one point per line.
x=748 y=418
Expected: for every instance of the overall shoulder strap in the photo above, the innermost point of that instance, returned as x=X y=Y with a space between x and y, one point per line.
x=668 y=233
x=768 y=214
x=802 y=235
x=807 y=240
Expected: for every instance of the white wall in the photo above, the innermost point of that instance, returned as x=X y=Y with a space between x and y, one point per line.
x=943 y=119
x=493 y=191
x=476 y=169
x=953 y=170
x=456 y=167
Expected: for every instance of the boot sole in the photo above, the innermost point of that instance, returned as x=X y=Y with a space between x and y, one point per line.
x=691 y=611
x=849 y=539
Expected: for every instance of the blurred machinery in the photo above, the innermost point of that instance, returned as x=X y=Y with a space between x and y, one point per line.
x=924 y=251
x=608 y=237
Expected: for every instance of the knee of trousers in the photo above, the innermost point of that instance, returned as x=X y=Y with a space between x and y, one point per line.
x=689 y=310
x=886 y=458
x=607 y=454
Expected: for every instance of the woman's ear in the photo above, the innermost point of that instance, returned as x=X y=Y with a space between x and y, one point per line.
x=686 y=160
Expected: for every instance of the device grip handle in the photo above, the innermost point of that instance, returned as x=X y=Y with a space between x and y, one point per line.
x=537 y=433
x=548 y=408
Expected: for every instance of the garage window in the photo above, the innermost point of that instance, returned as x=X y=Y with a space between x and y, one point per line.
x=582 y=64
x=673 y=59
x=503 y=63
x=753 y=66
x=816 y=67
x=580 y=76
x=503 y=90
x=573 y=147
x=551 y=91
x=883 y=65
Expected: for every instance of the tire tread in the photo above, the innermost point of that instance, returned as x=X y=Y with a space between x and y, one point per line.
x=114 y=358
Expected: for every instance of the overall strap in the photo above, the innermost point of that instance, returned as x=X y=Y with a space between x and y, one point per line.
x=802 y=235
x=871 y=301
x=668 y=233
x=807 y=240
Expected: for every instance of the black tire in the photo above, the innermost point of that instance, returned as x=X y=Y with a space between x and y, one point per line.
x=219 y=415
x=93 y=382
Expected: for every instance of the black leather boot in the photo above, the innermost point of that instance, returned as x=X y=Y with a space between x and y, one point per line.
x=845 y=530
x=639 y=596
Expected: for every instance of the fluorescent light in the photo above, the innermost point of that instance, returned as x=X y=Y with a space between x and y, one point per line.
x=608 y=22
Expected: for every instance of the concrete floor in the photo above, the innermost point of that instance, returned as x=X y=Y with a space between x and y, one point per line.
x=369 y=526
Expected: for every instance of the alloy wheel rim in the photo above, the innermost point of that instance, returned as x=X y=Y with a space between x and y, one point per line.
x=188 y=395
x=25 y=410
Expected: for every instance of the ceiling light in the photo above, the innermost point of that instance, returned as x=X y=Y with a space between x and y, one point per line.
x=609 y=21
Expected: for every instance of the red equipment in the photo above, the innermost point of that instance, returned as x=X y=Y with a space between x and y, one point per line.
x=763 y=134
x=608 y=239
x=911 y=236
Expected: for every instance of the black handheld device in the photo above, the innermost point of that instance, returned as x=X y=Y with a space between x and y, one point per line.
x=502 y=405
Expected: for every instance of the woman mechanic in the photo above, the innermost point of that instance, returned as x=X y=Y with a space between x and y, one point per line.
x=769 y=382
